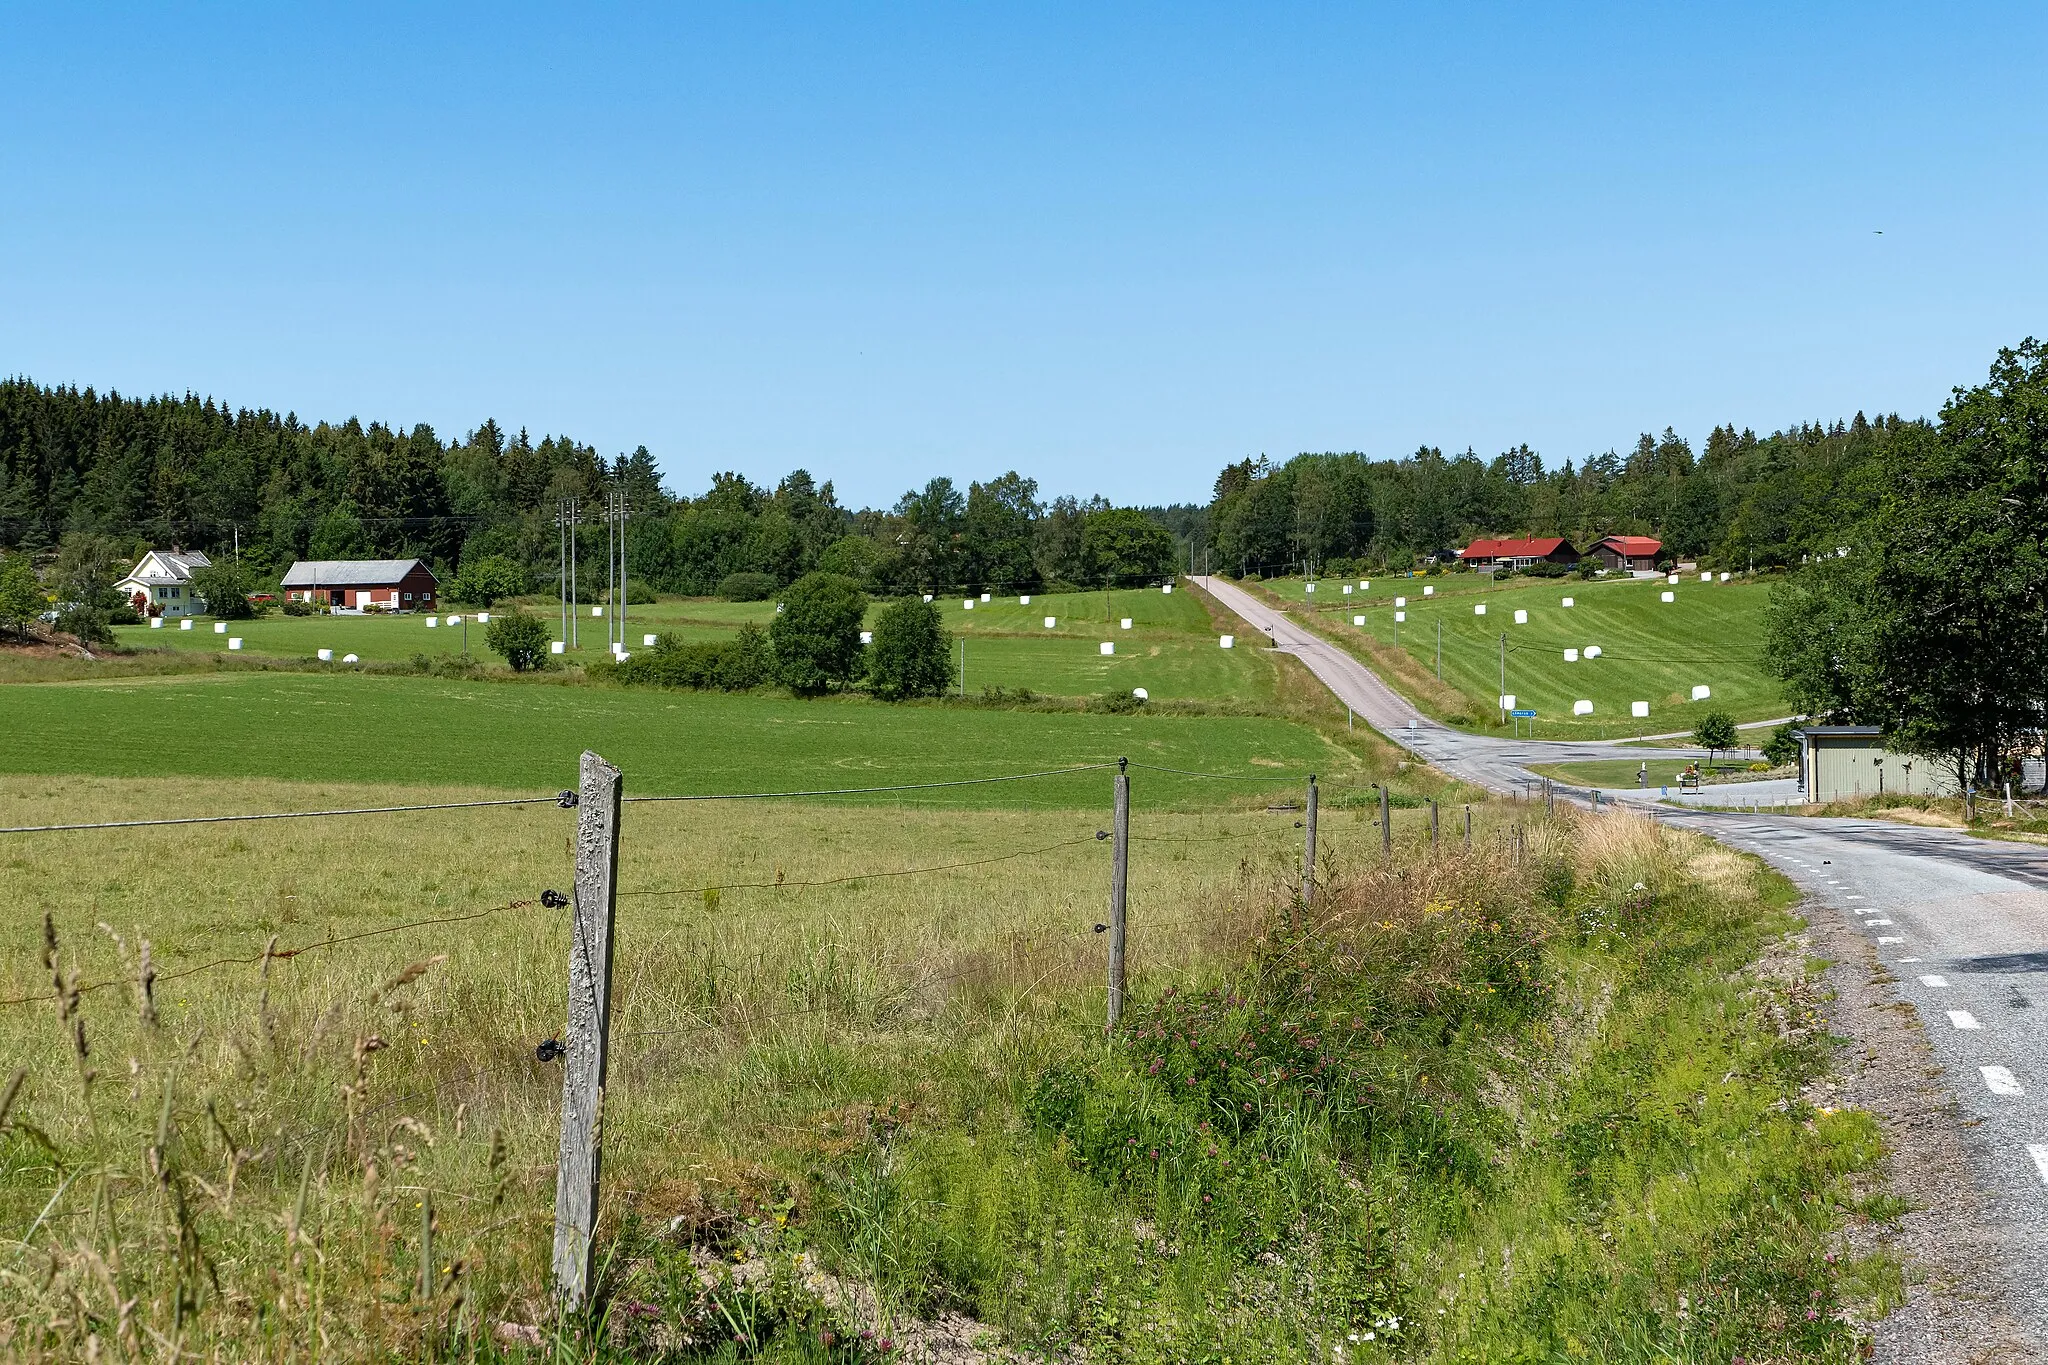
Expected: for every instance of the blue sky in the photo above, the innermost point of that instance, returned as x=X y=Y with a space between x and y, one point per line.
x=1113 y=248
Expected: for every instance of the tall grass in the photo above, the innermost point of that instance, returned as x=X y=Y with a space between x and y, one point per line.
x=877 y=1105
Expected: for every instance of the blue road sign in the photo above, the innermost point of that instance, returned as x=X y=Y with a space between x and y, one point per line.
x=1525 y=715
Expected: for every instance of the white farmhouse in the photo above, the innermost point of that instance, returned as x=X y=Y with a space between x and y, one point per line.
x=163 y=580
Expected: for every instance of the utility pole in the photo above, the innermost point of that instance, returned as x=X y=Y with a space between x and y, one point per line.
x=575 y=623
x=611 y=564
x=1439 y=649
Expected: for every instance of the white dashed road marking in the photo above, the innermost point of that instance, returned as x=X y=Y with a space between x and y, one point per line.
x=2039 y=1151
x=1877 y=921
x=1963 y=1019
x=1890 y=938
x=1999 y=1081
x=1937 y=982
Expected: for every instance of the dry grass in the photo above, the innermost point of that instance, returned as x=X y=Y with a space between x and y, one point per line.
x=239 y=1160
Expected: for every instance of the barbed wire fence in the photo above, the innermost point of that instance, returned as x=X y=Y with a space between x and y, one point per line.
x=583 y=1044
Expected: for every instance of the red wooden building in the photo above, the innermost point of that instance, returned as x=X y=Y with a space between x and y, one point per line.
x=361 y=584
x=1519 y=554
x=1627 y=552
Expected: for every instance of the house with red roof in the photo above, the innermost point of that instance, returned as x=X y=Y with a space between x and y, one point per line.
x=1632 y=553
x=1518 y=554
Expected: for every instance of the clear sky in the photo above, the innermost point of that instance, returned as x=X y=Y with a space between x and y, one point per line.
x=1113 y=247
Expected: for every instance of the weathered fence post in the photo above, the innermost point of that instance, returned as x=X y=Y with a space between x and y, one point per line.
x=586 y=1041
x=1434 y=836
x=1119 y=872
x=1546 y=796
x=1386 y=826
x=1468 y=827
x=1308 y=845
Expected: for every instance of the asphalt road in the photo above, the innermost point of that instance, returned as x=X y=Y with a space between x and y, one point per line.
x=1962 y=923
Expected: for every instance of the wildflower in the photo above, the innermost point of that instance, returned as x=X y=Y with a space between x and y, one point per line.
x=1811 y=1315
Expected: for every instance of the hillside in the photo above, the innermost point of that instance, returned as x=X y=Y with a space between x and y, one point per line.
x=1651 y=650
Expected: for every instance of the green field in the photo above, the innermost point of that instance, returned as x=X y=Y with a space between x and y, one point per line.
x=1169 y=650
x=1651 y=651
x=526 y=737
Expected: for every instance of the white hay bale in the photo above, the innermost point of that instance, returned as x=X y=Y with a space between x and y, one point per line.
x=1639 y=709
x=234 y=642
x=1141 y=694
x=1479 y=609
x=1571 y=656
x=1521 y=617
x=1582 y=708
x=220 y=627
x=867 y=637
x=350 y=659
x=1592 y=651
x=556 y=646
x=1126 y=623
x=1109 y=647
x=326 y=656
x=1051 y=622
x=1228 y=642
x=1702 y=692
x=648 y=641
x=1567 y=601
x=1399 y=617
x=1669 y=596
x=1358 y=620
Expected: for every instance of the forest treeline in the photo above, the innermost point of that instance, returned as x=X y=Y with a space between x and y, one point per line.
x=1743 y=501
x=192 y=472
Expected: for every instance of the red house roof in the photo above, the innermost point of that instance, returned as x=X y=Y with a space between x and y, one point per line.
x=1511 y=549
x=1633 y=545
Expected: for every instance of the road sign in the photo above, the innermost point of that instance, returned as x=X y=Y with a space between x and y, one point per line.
x=1525 y=715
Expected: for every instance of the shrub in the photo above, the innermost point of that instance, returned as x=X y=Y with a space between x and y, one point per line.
x=910 y=655
x=1116 y=703
x=1548 y=568
x=1781 y=748
x=485 y=580
x=226 y=589
x=747 y=587
x=816 y=635
x=1587 y=568
x=521 y=638
x=734 y=665
x=21 y=595
x=296 y=607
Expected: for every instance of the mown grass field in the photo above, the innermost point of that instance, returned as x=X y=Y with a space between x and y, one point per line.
x=526 y=737
x=1169 y=650
x=1557 y=1122
x=1651 y=651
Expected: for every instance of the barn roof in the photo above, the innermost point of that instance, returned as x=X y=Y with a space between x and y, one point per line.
x=349 y=573
x=1538 y=548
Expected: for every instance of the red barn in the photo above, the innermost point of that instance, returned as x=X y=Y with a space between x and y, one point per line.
x=1627 y=552
x=362 y=584
x=1519 y=554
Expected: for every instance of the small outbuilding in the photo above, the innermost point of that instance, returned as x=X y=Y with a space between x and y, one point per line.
x=1633 y=554
x=358 y=585
x=1518 y=554
x=161 y=583
x=1842 y=762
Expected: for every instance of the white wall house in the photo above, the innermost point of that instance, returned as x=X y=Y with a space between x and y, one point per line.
x=163 y=579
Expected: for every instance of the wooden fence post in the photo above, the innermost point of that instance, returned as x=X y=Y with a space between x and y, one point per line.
x=1434 y=835
x=1308 y=846
x=1386 y=825
x=1468 y=827
x=589 y=1029
x=1119 y=874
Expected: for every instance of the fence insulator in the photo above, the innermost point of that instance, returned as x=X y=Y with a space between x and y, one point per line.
x=568 y=800
x=1102 y=928
x=1100 y=835
x=550 y=1050
x=553 y=900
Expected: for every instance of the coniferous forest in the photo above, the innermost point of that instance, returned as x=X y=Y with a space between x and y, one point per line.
x=200 y=474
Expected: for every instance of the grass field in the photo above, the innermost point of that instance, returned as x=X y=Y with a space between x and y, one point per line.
x=1170 y=649
x=1651 y=651
x=882 y=1098
x=526 y=737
